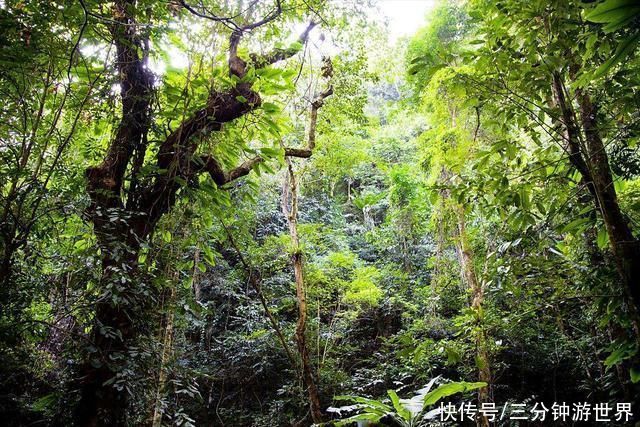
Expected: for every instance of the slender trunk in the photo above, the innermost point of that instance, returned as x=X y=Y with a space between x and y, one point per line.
x=167 y=349
x=465 y=255
x=5 y=267
x=291 y=213
x=444 y=194
x=624 y=246
x=196 y=285
x=588 y=155
x=255 y=280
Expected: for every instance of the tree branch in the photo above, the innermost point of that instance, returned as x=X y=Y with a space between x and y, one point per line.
x=176 y=159
x=243 y=169
x=237 y=66
x=315 y=106
x=270 y=17
x=105 y=181
x=261 y=61
x=297 y=152
x=228 y=22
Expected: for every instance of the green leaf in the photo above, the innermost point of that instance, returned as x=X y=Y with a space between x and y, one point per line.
x=296 y=46
x=575 y=225
x=270 y=152
x=208 y=256
x=624 y=48
x=613 y=11
x=401 y=410
x=591 y=41
x=371 y=402
x=365 y=416
x=270 y=108
x=603 y=238
x=622 y=352
x=453 y=356
x=635 y=374
x=448 y=390
x=45 y=403
x=81 y=245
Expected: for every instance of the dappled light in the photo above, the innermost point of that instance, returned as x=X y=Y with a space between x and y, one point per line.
x=256 y=213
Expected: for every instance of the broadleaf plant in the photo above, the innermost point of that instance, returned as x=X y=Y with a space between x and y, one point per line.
x=410 y=412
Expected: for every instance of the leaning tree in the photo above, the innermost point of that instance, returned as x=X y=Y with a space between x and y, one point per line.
x=139 y=180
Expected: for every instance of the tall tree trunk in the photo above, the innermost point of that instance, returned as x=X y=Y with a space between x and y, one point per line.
x=118 y=232
x=624 y=246
x=465 y=255
x=469 y=277
x=290 y=210
x=588 y=155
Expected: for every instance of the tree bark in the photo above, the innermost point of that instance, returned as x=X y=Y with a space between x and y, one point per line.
x=289 y=190
x=624 y=246
x=167 y=349
x=588 y=155
x=113 y=330
x=123 y=218
x=290 y=211
x=118 y=235
x=465 y=255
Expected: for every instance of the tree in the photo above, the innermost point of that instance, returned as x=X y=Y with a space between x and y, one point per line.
x=464 y=206
x=290 y=210
x=125 y=216
x=540 y=38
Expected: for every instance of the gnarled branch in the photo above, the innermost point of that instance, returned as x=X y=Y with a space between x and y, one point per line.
x=210 y=165
x=261 y=61
x=105 y=181
x=175 y=155
x=237 y=66
x=229 y=21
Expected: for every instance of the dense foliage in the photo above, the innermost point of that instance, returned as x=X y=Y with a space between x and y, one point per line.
x=249 y=213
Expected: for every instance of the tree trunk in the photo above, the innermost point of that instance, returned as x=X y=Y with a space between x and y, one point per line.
x=588 y=155
x=167 y=349
x=124 y=217
x=477 y=298
x=101 y=404
x=624 y=246
x=290 y=191
x=290 y=211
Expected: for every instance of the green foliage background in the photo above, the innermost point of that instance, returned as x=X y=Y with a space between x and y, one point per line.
x=456 y=118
